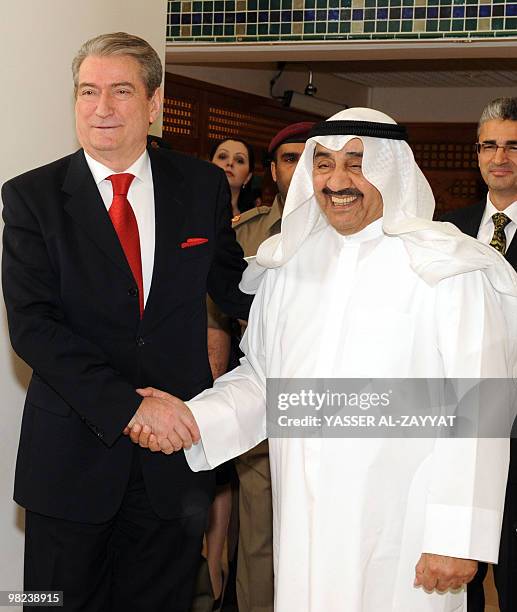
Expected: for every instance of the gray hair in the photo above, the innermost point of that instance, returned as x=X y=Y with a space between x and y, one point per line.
x=504 y=109
x=120 y=43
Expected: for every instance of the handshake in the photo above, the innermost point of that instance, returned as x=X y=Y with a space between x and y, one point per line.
x=162 y=423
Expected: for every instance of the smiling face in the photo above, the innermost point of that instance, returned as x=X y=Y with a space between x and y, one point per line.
x=499 y=168
x=112 y=110
x=232 y=156
x=345 y=197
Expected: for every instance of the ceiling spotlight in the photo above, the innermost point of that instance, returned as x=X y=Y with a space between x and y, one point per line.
x=310 y=89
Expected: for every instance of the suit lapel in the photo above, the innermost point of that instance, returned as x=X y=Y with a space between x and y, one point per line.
x=86 y=207
x=473 y=221
x=171 y=199
x=511 y=253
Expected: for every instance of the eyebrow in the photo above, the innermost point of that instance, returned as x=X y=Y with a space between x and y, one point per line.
x=121 y=84
x=327 y=155
x=227 y=151
x=508 y=142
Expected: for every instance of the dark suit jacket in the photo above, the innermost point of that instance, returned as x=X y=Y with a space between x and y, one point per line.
x=468 y=220
x=73 y=316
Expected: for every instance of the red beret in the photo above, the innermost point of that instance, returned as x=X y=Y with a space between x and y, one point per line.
x=296 y=132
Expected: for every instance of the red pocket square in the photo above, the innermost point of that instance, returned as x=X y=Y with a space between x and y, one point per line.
x=193 y=242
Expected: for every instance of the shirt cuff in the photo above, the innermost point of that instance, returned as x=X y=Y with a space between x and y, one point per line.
x=463 y=532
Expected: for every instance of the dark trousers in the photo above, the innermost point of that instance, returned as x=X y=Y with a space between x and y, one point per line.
x=476 y=594
x=505 y=572
x=136 y=562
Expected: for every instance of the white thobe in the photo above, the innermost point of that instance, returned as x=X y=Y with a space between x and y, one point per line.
x=352 y=516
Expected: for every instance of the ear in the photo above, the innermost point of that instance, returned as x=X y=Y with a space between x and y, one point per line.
x=273 y=170
x=155 y=104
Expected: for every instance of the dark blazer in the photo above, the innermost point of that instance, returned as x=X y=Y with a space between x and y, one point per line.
x=72 y=307
x=468 y=221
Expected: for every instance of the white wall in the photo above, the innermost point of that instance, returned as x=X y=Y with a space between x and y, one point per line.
x=435 y=104
x=38 y=40
x=254 y=79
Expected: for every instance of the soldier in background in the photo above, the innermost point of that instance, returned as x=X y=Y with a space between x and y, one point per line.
x=256 y=225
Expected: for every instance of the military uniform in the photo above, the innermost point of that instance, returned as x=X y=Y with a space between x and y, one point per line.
x=256 y=225
x=252 y=228
x=255 y=552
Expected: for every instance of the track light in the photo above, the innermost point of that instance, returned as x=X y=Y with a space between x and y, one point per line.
x=310 y=89
x=310 y=104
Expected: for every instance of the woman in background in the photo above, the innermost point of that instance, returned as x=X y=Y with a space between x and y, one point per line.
x=236 y=158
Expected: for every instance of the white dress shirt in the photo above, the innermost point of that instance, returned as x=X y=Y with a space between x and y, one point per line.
x=141 y=198
x=486 y=227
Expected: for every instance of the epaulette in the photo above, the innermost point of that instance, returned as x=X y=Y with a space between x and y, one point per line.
x=250 y=214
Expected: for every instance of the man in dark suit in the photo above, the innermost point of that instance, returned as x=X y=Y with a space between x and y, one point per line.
x=108 y=256
x=494 y=222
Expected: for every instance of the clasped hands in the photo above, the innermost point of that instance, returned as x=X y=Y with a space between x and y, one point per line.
x=162 y=423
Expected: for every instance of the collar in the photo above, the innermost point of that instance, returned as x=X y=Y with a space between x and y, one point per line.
x=510 y=211
x=370 y=232
x=141 y=168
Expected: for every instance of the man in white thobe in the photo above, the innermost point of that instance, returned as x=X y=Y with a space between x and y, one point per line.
x=362 y=284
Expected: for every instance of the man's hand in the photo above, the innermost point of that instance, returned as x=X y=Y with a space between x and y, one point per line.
x=442 y=573
x=162 y=423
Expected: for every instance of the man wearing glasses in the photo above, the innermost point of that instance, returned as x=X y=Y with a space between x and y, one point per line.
x=494 y=222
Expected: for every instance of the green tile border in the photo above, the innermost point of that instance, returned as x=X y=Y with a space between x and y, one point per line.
x=253 y=21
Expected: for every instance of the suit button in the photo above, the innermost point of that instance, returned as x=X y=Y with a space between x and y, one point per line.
x=140 y=341
x=132 y=291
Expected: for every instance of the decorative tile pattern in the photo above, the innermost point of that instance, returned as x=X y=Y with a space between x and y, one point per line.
x=301 y=20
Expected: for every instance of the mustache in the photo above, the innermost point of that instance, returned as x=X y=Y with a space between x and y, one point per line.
x=348 y=191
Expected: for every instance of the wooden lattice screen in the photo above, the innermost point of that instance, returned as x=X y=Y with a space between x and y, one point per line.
x=447 y=156
x=197 y=114
x=179 y=118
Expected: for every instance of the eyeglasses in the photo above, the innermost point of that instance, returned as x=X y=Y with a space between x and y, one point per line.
x=490 y=148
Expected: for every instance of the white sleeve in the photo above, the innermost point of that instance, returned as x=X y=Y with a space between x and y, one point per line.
x=466 y=494
x=231 y=416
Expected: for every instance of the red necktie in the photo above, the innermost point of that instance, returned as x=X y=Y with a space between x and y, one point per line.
x=124 y=222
